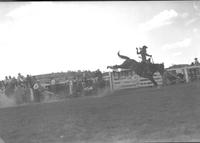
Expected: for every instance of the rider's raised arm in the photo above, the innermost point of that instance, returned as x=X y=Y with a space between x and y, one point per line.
x=137 y=51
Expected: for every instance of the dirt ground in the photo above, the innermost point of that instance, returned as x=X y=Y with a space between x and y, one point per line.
x=169 y=113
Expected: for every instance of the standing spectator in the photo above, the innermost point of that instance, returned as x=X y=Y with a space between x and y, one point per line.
x=9 y=79
x=196 y=62
x=6 y=81
x=1 y=85
x=79 y=87
x=36 y=92
x=28 y=81
x=14 y=82
x=31 y=84
x=67 y=88
x=20 y=79
x=10 y=87
x=28 y=92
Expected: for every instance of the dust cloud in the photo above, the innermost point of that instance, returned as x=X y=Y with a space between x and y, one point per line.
x=6 y=101
x=103 y=92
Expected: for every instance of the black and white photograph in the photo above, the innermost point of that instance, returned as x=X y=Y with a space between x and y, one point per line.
x=99 y=71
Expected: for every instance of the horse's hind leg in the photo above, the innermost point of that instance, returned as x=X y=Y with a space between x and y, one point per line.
x=153 y=81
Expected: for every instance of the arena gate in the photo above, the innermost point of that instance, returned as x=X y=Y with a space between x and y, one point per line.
x=191 y=73
x=125 y=79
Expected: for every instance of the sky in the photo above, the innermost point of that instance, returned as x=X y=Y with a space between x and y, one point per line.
x=45 y=37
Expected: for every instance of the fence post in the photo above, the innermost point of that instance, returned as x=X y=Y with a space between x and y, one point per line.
x=71 y=87
x=186 y=74
x=111 y=81
x=31 y=94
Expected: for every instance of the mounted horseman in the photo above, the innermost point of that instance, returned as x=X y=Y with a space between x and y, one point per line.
x=145 y=64
x=143 y=69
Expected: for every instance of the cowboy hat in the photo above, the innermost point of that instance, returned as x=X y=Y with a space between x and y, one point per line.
x=145 y=47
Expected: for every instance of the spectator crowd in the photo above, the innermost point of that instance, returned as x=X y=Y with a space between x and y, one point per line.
x=34 y=90
x=80 y=85
x=29 y=84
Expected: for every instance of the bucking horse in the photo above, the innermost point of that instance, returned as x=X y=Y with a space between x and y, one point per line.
x=145 y=70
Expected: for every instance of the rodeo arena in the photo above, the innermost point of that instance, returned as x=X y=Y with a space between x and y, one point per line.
x=137 y=101
x=57 y=86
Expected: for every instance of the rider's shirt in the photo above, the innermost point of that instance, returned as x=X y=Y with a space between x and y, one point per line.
x=143 y=54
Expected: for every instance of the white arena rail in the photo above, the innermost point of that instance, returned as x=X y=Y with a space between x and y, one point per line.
x=125 y=83
x=131 y=80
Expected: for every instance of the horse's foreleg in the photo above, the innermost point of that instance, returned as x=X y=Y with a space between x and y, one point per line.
x=120 y=67
x=114 y=67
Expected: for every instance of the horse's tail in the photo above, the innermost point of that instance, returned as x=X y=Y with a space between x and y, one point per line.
x=123 y=57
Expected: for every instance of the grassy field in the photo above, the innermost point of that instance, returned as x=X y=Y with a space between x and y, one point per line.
x=169 y=113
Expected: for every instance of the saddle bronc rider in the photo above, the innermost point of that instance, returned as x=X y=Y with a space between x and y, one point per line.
x=145 y=63
x=143 y=53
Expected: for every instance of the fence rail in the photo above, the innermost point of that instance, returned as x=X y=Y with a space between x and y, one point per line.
x=128 y=79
